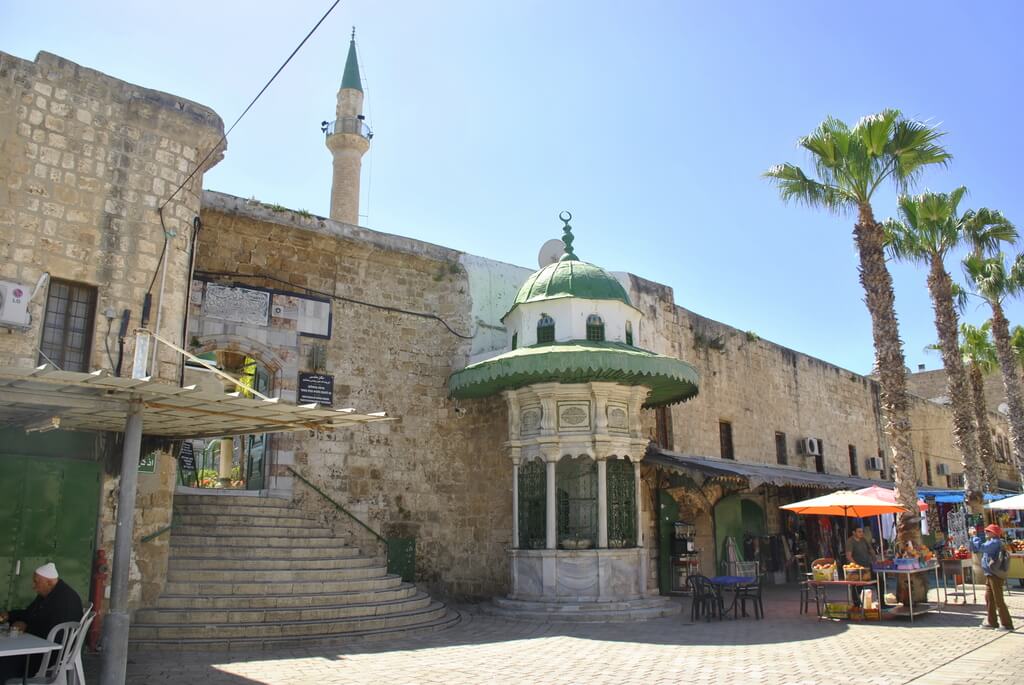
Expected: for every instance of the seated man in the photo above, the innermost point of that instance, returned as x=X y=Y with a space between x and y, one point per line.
x=56 y=603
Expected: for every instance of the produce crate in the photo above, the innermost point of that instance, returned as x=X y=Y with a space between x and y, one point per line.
x=872 y=614
x=827 y=573
x=857 y=574
x=837 y=609
x=856 y=614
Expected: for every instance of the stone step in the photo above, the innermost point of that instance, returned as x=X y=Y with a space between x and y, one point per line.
x=237 y=510
x=233 y=500
x=447 y=619
x=337 y=549
x=217 y=533
x=259 y=631
x=232 y=520
x=229 y=564
x=581 y=612
x=210 y=616
x=272 y=576
x=270 y=601
x=213 y=588
x=192 y=537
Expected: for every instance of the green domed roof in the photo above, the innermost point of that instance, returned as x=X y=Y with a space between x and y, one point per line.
x=570 y=277
x=579 y=361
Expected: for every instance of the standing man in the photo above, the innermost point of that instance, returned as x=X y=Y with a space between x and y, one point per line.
x=991 y=548
x=56 y=603
x=858 y=549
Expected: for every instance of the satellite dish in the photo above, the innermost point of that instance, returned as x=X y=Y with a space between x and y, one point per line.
x=550 y=252
x=1004 y=409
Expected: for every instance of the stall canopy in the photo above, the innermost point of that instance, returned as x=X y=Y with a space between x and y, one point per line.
x=887 y=495
x=953 y=496
x=1016 y=502
x=98 y=401
x=757 y=474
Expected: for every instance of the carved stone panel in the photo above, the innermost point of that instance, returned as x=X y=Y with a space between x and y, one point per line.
x=573 y=416
x=240 y=305
x=618 y=417
x=529 y=420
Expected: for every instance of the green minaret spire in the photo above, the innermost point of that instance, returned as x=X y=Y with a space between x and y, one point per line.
x=351 y=77
x=567 y=238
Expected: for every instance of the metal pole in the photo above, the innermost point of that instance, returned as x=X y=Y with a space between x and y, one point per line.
x=115 y=627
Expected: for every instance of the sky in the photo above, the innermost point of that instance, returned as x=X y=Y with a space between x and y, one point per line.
x=651 y=122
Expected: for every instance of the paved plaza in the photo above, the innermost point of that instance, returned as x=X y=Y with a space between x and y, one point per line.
x=786 y=647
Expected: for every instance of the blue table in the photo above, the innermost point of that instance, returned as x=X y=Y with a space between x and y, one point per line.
x=735 y=582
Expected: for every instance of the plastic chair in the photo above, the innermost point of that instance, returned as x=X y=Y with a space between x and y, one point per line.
x=83 y=631
x=53 y=670
x=707 y=600
x=751 y=593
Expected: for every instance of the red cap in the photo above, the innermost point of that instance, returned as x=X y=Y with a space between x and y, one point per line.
x=994 y=529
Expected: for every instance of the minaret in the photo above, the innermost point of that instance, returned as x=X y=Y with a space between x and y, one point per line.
x=348 y=139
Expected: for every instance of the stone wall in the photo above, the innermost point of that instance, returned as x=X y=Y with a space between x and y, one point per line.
x=85 y=160
x=435 y=474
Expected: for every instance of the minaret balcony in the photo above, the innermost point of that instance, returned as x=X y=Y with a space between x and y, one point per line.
x=353 y=125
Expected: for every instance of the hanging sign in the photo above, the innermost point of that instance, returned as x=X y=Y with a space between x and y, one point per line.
x=316 y=387
x=187 y=461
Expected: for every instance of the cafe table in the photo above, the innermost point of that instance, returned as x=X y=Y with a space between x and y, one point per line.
x=24 y=645
x=735 y=582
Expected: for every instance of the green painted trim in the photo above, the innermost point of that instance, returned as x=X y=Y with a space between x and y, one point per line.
x=570 y=278
x=337 y=506
x=580 y=361
x=350 y=79
x=59 y=443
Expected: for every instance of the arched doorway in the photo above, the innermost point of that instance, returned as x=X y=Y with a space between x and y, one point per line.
x=232 y=462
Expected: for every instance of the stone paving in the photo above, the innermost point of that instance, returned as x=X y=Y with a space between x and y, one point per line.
x=786 y=647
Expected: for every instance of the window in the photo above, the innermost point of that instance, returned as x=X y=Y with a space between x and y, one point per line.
x=928 y=471
x=532 y=505
x=955 y=480
x=545 y=329
x=854 y=470
x=780 y=448
x=515 y=340
x=595 y=327
x=629 y=332
x=881 y=460
x=576 y=499
x=67 y=326
x=725 y=438
x=1000 y=452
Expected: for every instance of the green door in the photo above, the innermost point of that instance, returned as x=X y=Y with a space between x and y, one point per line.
x=48 y=510
x=668 y=514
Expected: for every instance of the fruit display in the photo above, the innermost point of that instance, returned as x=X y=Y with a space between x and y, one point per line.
x=854 y=571
x=824 y=569
x=962 y=552
x=1017 y=546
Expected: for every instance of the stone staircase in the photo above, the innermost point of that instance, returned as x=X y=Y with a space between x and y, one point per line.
x=252 y=573
x=641 y=609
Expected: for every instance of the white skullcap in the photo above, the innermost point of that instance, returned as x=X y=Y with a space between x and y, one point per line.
x=47 y=571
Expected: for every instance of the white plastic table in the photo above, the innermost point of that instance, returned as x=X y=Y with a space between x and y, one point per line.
x=24 y=645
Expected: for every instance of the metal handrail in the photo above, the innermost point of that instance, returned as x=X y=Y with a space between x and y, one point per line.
x=153 y=536
x=356 y=125
x=337 y=506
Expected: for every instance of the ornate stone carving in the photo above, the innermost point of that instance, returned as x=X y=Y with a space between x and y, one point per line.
x=240 y=305
x=529 y=420
x=618 y=417
x=574 y=416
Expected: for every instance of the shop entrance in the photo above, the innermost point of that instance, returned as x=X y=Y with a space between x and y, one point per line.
x=734 y=518
x=48 y=509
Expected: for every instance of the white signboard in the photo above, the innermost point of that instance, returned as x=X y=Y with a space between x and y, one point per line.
x=240 y=305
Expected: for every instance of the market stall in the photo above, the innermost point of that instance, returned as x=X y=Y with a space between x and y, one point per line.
x=1015 y=504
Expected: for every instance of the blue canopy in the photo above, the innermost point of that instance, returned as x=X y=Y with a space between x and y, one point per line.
x=956 y=496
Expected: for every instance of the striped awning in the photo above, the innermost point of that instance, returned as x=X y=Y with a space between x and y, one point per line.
x=98 y=401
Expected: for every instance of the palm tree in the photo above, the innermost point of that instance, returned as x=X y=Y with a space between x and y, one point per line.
x=850 y=165
x=994 y=283
x=979 y=354
x=931 y=227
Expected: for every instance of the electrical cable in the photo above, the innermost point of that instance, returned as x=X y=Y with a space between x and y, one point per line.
x=217 y=146
x=340 y=298
x=246 y=111
x=106 y=342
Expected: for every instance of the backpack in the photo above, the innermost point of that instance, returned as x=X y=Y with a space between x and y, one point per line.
x=999 y=565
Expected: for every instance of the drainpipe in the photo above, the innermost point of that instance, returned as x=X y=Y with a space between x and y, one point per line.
x=114 y=662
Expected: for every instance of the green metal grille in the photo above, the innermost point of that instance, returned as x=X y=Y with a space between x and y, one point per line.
x=595 y=328
x=621 y=503
x=576 y=484
x=532 y=505
x=545 y=329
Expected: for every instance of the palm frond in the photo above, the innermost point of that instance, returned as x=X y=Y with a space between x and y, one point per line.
x=795 y=186
x=984 y=229
x=914 y=146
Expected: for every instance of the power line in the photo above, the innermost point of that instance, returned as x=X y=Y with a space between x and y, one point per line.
x=246 y=111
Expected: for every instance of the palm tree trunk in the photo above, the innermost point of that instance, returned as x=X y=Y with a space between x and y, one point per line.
x=940 y=285
x=1011 y=381
x=988 y=455
x=892 y=371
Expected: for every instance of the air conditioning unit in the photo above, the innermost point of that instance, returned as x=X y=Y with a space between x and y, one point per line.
x=810 y=446
x=14 y=298
x=943 y=470
x=874 y=464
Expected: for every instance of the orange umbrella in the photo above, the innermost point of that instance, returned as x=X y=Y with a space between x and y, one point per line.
x=844 y=503
x=887 y=495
